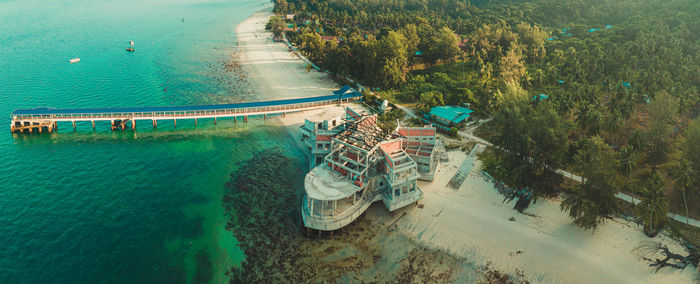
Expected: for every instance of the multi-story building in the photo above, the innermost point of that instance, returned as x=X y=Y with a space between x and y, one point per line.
x=365 y=163
x=316 y=136
x=420 y=144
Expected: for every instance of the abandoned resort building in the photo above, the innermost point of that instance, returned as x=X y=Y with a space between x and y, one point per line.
x=356 y=162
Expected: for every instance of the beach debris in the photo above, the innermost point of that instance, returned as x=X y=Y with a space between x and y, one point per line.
x=495 y=276
x=650 y=249
x=74 y=60
x=515 y=253
x=511 y=219
x=438 y=214
x=421 y=205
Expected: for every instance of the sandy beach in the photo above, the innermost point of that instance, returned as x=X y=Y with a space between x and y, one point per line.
x=474 y=223
x=463 y=233
x=273 y=71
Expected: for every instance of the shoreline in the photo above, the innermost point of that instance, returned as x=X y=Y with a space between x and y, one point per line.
x=273 y=71
x=469 y=226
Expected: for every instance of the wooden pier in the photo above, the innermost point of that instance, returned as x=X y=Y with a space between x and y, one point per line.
x=39 y=120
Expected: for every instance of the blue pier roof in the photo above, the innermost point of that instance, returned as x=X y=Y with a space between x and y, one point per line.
x=346 y=90
x=50 y=111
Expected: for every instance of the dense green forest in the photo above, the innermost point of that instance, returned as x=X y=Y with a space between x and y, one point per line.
x=622 y=79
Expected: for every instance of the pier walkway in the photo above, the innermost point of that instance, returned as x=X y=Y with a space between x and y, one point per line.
x=45 y=119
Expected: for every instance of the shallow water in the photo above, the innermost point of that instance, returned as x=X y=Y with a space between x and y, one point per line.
x=132 y=206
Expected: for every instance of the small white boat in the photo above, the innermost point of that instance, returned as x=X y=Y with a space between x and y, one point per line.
x=131 y=42
x=74 y=60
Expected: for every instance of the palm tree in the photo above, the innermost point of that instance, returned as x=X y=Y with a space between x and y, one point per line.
x=581 y=207
x=628 y=157
x=686 y=177
x=628 y=162
x=653 y=207
x=582 y=115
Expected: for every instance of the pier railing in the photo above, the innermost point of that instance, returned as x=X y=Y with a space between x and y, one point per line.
x=172 y=114
x=31 y=119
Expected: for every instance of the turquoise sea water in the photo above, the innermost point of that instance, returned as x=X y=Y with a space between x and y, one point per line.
x=137 y=206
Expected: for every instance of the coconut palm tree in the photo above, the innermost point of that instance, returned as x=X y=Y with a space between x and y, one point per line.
x=653 y=207
x=686 y=178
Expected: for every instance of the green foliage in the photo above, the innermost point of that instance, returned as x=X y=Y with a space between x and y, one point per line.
x=532 y=140
x=628 y=160
x=392 y=59
x=663 y=114
x=443 y=45
x=275 y=25
x=685 y=175
x=692 y=145
x=511 y=66
x=533 y=37
x=591 y=201
x=388 y=120
x=429 y=100
x=688 y=169
x=653 y=206
x=410 y=33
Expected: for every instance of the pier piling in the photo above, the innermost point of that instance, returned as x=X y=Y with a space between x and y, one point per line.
x=175 y=123
x=195 y=122
x=93 y=125
x=214 y=120
x=133 y=124
x=73 y=125
x=155 y=124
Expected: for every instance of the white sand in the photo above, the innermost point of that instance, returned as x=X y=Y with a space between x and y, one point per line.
x=471 y=222
x=273 y=71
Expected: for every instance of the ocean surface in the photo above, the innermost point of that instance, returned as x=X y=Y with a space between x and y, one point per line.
x=139 y=206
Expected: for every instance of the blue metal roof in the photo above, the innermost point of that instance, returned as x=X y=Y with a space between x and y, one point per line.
x=539 y=97
x=50 y=111
x=347 y=90
x=342 y=90
x=455 y=114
